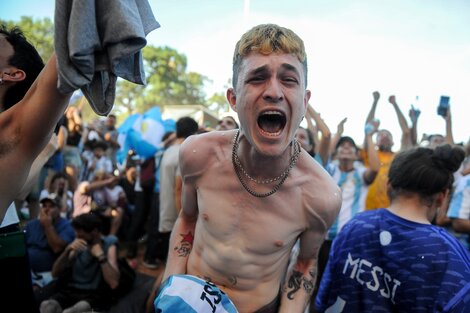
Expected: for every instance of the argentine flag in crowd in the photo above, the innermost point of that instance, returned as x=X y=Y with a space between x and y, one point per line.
x=143 y=133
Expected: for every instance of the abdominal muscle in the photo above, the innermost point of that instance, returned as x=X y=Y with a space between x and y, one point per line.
x=233 y=262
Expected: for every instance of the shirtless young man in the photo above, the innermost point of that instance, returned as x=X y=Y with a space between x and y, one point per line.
x=30 y=106
x=236 y=232
x=27 y=119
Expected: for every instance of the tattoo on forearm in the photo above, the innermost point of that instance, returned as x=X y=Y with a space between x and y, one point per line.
x=185 y=246
x=294 y=283
x=297 y=280
x=308 y=285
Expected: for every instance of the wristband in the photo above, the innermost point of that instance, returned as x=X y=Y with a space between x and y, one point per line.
x=369 y=128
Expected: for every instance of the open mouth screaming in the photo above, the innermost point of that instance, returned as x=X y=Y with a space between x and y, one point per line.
x=272 y=122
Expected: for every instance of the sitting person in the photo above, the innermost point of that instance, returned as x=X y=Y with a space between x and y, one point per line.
x=87 y=270
x=393 y=259
x=59 y=185
x=46 y=237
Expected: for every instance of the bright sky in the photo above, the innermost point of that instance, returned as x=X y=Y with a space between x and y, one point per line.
x=402 y=47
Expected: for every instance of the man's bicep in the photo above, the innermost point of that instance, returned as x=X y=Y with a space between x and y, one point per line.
x=189 y=198
x=310 y=243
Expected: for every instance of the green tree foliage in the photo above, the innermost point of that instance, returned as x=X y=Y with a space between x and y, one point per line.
x=40 y=32
x=218 y=103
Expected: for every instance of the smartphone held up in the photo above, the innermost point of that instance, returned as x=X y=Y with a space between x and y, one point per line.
x=443 y=106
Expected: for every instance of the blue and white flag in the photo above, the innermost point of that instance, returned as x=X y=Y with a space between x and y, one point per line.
x=143 y=133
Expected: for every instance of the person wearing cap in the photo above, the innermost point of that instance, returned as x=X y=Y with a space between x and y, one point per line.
x=46 y=237
x=353 y=178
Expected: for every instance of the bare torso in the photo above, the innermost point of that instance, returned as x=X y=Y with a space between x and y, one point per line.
x=243 y=243
x=14 y=165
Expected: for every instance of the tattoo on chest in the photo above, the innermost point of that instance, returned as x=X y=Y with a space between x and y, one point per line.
x=185 y=245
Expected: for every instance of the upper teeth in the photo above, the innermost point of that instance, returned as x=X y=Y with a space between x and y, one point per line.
x=272 y=112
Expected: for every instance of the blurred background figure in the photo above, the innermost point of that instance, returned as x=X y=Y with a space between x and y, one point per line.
x=226 y=123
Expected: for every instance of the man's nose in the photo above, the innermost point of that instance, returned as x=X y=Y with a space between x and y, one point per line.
x=273 y=92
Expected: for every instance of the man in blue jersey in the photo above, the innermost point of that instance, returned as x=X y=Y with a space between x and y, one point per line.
x=394 y=259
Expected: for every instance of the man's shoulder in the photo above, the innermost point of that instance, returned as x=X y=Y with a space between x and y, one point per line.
x=209 y=139
x=197 y=150
x=321 y=193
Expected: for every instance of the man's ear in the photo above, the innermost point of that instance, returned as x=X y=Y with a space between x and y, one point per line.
x=232 y=98
x=307 y=96
x=14 y=75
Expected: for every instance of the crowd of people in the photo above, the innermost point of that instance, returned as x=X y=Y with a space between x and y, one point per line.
x=256 y=215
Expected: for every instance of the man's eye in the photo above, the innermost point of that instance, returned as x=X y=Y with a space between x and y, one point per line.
x=256 y=79
x=291 y=80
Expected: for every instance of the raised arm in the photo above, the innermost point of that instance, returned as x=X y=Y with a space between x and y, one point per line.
x=373 y=156
x=337 y=135
x=449 y=133
x=373 y=108
x=405 y=130
x=313 y=129
x=40 y=110
x=414 y=116
x=323 y=148
x=371 y=115
x=25 y=129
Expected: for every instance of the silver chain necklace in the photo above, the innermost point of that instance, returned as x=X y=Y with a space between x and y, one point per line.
x=239 y=170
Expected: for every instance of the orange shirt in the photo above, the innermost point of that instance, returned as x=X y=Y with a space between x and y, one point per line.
x=377 y=196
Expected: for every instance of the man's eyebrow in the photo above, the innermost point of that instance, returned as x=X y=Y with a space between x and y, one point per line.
x=259 y=70
x=290 y=67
